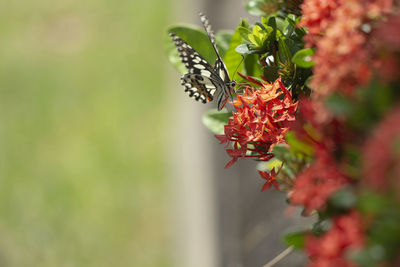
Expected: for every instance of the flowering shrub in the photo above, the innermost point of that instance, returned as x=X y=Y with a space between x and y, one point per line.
x=318 y=105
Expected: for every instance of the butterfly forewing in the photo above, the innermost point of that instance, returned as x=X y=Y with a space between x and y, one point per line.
x=219 y=64
x=192 y=60
x=202 y=82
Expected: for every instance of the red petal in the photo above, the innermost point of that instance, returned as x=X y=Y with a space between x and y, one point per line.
x=266 y=186
x=230 y=163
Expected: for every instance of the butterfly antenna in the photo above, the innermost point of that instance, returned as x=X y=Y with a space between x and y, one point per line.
x=233 y=78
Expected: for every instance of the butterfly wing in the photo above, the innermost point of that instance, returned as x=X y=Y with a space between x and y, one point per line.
x=202 y=88
x=192 y=60
x=220 y=67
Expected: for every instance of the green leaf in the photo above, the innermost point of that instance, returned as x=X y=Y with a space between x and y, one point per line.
x=215 y=120
x=303 y=58
x=273 y=163
x=295 y=239
x=232 y=58
x=343 y=199
x=244 y=32
x=271 y=73
x=262 y=26
x=283 y=50
x=308 y=81
x=321 y=226
x=223 y=39
x=281 y=24
x=272 y=24
x=251 y=66
x=298 y=146
x=369 y=202
x=196 y=38
x=242 y=49
x=258 y=37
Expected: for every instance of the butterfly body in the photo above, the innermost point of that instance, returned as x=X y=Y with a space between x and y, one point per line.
x=203 y=81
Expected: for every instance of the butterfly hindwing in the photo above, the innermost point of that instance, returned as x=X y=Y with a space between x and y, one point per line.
x=202 y=88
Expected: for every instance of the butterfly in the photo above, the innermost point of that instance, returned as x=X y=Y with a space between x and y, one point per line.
x=203 y=81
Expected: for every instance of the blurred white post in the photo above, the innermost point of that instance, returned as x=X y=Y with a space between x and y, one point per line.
x=193 y=203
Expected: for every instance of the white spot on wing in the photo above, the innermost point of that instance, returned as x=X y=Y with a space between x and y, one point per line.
x=199 y=66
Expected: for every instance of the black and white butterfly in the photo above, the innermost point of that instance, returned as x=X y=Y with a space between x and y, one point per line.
x=204 y=82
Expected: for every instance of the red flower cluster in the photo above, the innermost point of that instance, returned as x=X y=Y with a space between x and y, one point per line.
x=331 y=249
x=387 y=40
x=338 y=31
x=261 y=119
x=381 y=160
x=317 y=183
x=317 y=15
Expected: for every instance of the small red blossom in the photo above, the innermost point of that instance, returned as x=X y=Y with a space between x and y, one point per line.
x=381 y=160
x=270 y=179
x=330 y=249
x=317 y=183
x=261 y=119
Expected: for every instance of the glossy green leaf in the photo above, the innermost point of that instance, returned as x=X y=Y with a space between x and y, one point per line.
x=244 y=32
x=223 y=39
x=215 y=120
x=233 y=59
x=251 y=66
x=295 y=239
x=243 y=49
x=303 y=58
x=284 y=50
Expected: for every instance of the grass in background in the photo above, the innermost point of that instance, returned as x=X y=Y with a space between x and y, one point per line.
x=81 y=168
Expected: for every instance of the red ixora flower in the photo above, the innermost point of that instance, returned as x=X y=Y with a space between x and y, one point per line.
x=317 y=183
x=381 y=166
x=270 y=179
x=330 y=249
x=261 y=119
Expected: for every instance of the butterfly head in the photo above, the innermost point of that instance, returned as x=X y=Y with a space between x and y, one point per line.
x=232 y=84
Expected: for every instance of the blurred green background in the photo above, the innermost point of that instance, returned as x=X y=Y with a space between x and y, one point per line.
x=81 y=161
